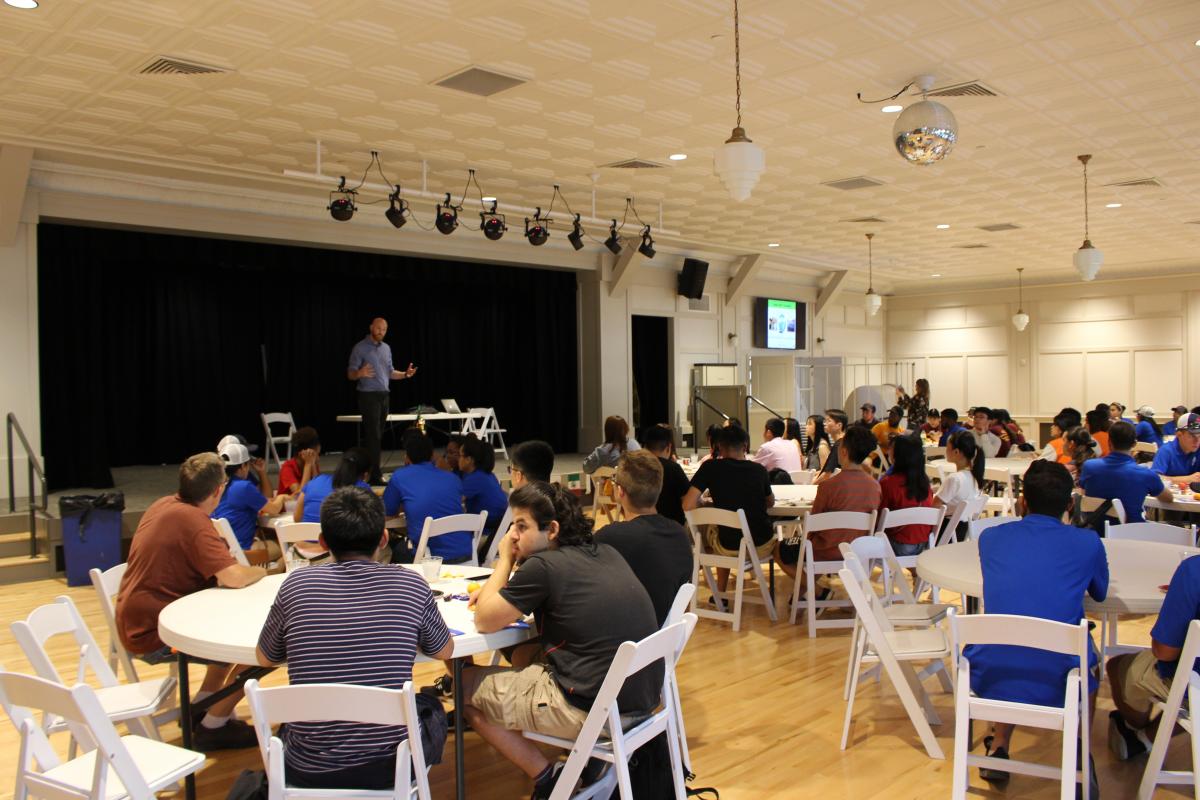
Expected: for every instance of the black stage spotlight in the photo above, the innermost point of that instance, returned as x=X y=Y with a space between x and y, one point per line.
x=613 y=242
x=538 y=232
x=342 y=207
x=575 y=237
x=447 y=216
x=647 y=246
x=397 y=209
x=492 y=224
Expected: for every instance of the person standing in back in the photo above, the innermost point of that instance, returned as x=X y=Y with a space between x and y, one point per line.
x=372 y=371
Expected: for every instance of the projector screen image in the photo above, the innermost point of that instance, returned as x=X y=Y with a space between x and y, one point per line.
x=778 y=324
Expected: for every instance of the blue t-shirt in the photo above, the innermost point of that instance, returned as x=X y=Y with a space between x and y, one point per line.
x=946 y=434
x=315 y=492
x=1169 y=428
x=1179 y=608
x=240 y=504
x=481 y=492
x=1118 y=476
x=1144 y=432
x=426 y=491
x=1171 y=460
x=379 y=356
x=1036 y=567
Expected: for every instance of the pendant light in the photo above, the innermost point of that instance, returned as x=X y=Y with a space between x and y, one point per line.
x=1087 y=258
x=739 y=162
x=1020 y=320
x=872 y=301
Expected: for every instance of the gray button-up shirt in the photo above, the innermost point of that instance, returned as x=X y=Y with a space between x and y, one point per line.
x=379 y=356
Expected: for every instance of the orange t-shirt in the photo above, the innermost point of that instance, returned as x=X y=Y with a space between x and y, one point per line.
x=1057 y=444
x=1101 y=438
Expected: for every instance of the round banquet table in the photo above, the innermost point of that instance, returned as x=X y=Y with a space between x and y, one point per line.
x=223 y=625
x=1136 y=570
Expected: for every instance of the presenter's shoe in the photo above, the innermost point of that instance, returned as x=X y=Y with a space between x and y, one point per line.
x=233 y=735
x=990 y=774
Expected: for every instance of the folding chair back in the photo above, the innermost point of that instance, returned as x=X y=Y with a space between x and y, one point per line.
x=976 y=527
x=966 y=511
x=1152 y=532
x=455 y=523
x=746 y=560
x=869 y=550
x=811 y=568
x=1145 y=447
x=292 y=533
x=108 y=585
x=603 y=501
x=235 y=547
x=318 y=702
x=56 y=619
x=501 y=532
x=489 y=429
x=1171 y=709
x=273 y=439
x=1089 y=504
x=683 y=599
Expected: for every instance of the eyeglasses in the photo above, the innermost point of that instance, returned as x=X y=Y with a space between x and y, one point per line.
x=512 y=469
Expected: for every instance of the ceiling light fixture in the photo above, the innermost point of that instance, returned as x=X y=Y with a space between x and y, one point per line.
x=488 y=199
x=925 y=132
x=773 y=244
x=892 y=109
x=447 y=216
x=872 y=301
x=397 y=209
x=575 y=237
x=31 y=4
x=1020 y=319
x=1087 y=258
x=646 y=248
x=342 y=207
x=739 y=162
x=678 y=156
x=538 y=232
x=942 y=227
x=492 y=224
x=936 y=275
x=613 y=242
x=1113 y=205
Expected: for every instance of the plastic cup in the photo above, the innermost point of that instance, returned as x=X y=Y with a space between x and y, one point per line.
x=431 y=567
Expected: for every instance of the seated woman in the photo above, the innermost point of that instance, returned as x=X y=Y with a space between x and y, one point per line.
x=817 y=446
x=1079 y=445
x=304 y=465
x=1098 y=423
x=907 y=486
x=931 y=431
x=481 y=489
x=966 y=484
x=711 y=434
x=1054 y=449
x=353 y=470
x=616 y=442
x=1146 y=429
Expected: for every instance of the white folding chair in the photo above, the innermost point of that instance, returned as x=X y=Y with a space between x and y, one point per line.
x=501 y=532
x=1071 y=717
x=811 y=568
x=133 y=703
x=489 y=429
x=620 y=744
x=976 y=527
x=745 y=561
x=474 y=523
x=892 y=518
x=679 y=606
x=113 y=767
x=1116 y=511
x=894 y=650
x=801 y=477
x=962 y=512
x=321 y=702
x=903 y=606
x=1173 y=712
x=235 y=547
x=273 y=439
x=603 y=501
x=292 y=533
x=1003 y=504
x=1145 y=447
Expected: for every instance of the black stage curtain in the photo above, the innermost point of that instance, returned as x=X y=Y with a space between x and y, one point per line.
x=153 y=346
x=650 y=370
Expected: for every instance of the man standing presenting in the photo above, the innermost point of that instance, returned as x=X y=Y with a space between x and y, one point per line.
x=371 y=366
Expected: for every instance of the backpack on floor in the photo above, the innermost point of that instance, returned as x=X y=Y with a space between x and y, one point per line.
x=650 y=774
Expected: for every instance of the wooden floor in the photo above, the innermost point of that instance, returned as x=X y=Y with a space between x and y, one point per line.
x=763 y=710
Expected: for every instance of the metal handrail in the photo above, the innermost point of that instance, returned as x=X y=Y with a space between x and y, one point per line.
x=750 y=397
x=33 y=466
x=696 y=398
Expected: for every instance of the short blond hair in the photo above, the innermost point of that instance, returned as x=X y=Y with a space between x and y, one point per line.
x=200 y=476
x=640 y=474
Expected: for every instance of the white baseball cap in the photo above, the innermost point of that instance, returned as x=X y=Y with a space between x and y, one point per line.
x=234 y=453
x=1146 y=411
x=235 y=438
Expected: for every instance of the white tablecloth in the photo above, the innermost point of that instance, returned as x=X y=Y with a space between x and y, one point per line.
x=791 y=500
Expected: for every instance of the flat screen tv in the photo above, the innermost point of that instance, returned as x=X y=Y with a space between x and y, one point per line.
x=779 y=324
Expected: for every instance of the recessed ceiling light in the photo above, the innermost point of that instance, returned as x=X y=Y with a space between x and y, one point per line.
x=892 y=109
x=773 y=244
x=942 y=227
x=1113 y=205
x=21 y=3
x=678 y=156
x=936 y=275
x=489 y=199
x=1198 y=43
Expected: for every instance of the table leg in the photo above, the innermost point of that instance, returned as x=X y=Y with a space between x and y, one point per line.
x=460 y=754
x=185 y=721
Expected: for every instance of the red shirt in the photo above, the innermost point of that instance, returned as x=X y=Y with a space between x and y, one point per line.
x=291 y=472
x=893 y=495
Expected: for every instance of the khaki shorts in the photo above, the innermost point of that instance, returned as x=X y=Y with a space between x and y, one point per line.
x=712 y=543
x=528 y=699
x=1141 y=685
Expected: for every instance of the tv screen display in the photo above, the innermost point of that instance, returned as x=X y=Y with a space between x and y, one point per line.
x=778 y=324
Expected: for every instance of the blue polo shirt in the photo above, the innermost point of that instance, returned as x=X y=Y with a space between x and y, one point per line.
x=1118 y=476
x=946 y=434
x=1036 y=567
x=1171 y=460
x=1169 y=428
x=1144 y=432
x=379 y=356
x=240 y=504
x=315 y=492
x=481 y=492
x=426 y=491
x=1179 y=608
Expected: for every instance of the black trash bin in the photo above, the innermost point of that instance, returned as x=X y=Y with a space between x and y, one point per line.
x=91 y=533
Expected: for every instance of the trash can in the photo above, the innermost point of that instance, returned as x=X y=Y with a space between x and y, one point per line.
x=91 y=533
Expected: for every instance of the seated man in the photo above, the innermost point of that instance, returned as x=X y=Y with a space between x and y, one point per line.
x=996 y=426
x=888 y=429
x=176 y=551
x=988 y=442
x=244 y=505
x=375 y=618
x=1169 y=428
x=304 y=465
x=949 y=426
x=572 y=585
x=1036 y=567
x=777 y=452
x=1138 y=680
x=1179 y=459
x=481 y=490
x=1117 y=476
x=530 y=461
x=868 y=418
x=421 y=491
x=835 y=425
x=733 y=482
x=454 y=448
x=675 y=483
x=657 y=549
x=852 y=489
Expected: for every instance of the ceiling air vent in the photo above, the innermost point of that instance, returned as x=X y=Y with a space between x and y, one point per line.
x=847 y=184
x=968 y=89
x=971 y=246
x=699 y=305
x=1137 y=183
x=866 y=220
x=1000 y=226
x=633 y=163
x=479 y=81
x=166 y=65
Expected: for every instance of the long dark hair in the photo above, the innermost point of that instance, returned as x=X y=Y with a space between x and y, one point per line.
x=964 y=442
x=921 y=389
x=908 y=459
x=1157 y=428
x=819 y=435
x=548 y=503
x=350 y=469
x=1082 y=443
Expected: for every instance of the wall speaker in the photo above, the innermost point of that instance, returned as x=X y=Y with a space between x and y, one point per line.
x=691 y=278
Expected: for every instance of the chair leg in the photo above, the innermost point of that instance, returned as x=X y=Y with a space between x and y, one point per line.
x=1067 y=789
x=674 y=740
x=737 y=597
x=903 y=680
x=768 y=600
x=849 y=706
x=797 y=582
x=1194 y=702
x=810 y=600
x=852 y=662
x=962 y=744
x=1158 y=752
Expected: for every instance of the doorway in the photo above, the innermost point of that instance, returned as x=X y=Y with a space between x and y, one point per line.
x=651 y=371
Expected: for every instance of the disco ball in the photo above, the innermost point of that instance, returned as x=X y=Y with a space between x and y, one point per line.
x=925 y=132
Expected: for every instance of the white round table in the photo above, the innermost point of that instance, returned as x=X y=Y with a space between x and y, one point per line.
x=223 y=625
x=1136 y=570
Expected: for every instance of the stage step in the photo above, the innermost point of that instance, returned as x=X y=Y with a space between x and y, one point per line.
x=17 y=544
x=18 y=569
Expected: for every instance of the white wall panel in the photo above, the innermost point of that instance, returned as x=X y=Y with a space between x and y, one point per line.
x=1157 y=304
x=987 y=381
x=946 y=383
x=694 y=334
x=954 y=317
x=1060 y=382
x=1108 y=378
x=990 y=339
x=1148 y=332
x=1158 y=381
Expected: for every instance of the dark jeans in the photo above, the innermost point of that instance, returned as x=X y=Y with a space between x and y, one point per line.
x=374 y=409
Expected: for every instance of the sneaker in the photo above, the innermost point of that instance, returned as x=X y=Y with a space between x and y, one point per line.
x=593 y=771
x=994 y=775
x=442 y=687
x=545 y=787
x=233 y=735
x=1122 y=740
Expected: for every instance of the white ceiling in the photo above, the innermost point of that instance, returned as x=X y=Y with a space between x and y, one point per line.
x=612 y=80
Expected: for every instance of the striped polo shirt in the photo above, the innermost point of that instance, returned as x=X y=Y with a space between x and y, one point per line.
x=355 y=622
